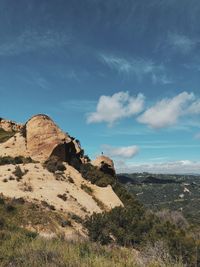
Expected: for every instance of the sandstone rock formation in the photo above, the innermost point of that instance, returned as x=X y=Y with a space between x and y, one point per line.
x=40 y=138
x=10 y=126
x=105 y=164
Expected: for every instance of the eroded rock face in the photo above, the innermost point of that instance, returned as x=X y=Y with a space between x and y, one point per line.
x=105 y=164
x=10 y=126
x=42 y=139
x=42 y=136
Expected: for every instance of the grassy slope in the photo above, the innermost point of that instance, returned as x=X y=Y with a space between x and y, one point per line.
x=20 y=247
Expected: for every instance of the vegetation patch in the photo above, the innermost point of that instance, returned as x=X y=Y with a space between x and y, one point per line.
x=54 y=164
x=19 y=173
x=87 y=189
x=16 y=160
x=135 y=226
x=70 y=179
x=95 y=176
x=62 y=196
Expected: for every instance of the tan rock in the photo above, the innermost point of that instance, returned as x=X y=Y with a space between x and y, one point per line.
x=105 y=164
x=40 y=138
x=45 y=187
x=103 y=159
x=10 y=126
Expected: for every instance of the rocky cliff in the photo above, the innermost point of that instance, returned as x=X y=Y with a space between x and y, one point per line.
x=40 y=138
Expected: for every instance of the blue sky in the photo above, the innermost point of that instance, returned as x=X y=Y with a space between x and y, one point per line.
x=121 y=76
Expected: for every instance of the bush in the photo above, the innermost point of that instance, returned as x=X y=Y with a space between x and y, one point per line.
x=76 y=218
x=76 y=163
x=87 y=189
x=10 y=208
x=95 y=176
x=63 y=197
x=18 y=172
x=133 y=226
x=2 y=223
x=66 y=223
x=70 y=179
x=16 y=160
x=47 y=205
x=54 y=164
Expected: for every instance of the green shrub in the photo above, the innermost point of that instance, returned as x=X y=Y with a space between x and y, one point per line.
x=87 y=189
x=18 y=172
x=76 y=218
x=95 y=176
x=70 y=179
x=16 y=160
x=54 y=164
x=10 y=208
x=62 y=196
x=2 y=223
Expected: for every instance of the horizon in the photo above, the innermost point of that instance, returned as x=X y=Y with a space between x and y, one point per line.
x=121 y=76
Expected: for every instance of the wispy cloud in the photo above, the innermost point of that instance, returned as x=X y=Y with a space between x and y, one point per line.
x=194 y=108
x=78 y=105
x=125 y=152
x=182 y=43
x=32 y=40
x=172 y=167
x=112 y=108
x=138 y=66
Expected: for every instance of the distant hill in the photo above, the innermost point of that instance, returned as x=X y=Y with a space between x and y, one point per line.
x=155 y=180
x=125 y=179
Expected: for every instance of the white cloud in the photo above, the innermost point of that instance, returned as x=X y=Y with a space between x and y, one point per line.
x=182 y=43
x=173 y=167
x=140 y=67
x=119 y=105
x=167 y=111
x=121 y=152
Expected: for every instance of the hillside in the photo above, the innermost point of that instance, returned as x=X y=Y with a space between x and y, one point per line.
x=165 y=191
x=52 y=194
x=23 y=173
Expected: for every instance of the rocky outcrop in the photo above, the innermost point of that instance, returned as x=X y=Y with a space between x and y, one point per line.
x=10 y=126
x=41 y=138
x=65 y=189
x=105 y=164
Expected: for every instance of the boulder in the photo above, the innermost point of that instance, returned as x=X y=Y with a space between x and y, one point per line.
x=105 y=164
